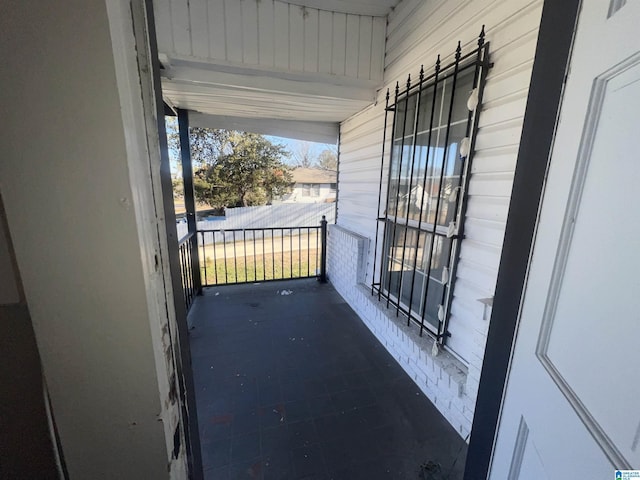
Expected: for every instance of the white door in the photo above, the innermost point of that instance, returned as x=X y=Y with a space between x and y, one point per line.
x=572 y=404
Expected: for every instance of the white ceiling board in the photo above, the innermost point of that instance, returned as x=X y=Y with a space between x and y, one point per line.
x=278 y=34
x=323 y=132
x=305 y=61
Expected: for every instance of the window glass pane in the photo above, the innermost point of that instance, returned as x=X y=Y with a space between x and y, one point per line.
x=418 y=290
x=435 y=251
x=433 y=299
x=427 y=107
x=432 y=296
x=398 y=257
x=393 y=257
x=422 y=177
x=442 y=159
x=400 y=177
x=413 y=198
x=396 y=239
x=408 y=280
x=405 y=180
x=410 y=247
x=408 y=121
x=439 y=256
x=451 y=178
x=398 y=120
x=425 y=252
x=459 y=112
x=393 y=177
x=464 y=86
x=436 y=153
x=411 y=116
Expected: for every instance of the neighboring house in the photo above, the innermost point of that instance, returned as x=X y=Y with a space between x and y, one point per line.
x=312 y=185
x=471 y=236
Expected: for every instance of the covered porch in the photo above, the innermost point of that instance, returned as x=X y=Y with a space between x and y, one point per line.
x=141 y=375
x=294 y=385
x=383 y=384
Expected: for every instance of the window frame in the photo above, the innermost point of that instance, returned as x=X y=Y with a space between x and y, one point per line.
x=476 y=64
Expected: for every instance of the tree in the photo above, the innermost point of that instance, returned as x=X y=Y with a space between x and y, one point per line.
x=303 y=156
x=328 y=159
x=207 y=144
x=247 y=170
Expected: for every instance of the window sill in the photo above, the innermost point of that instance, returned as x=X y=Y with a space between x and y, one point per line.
x=444 y=366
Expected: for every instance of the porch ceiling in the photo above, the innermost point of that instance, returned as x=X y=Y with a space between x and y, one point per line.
x=268 y=65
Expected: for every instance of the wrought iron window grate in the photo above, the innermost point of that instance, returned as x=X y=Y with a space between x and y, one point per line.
x=423 y=201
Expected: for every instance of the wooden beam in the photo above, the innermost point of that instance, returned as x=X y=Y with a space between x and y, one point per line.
x=322 y=132
x=264 y=80
x=239 y=102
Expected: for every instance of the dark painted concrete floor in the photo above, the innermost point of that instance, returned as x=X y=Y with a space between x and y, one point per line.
x=296 y=387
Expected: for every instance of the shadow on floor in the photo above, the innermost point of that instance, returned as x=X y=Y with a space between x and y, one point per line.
x=294 y=386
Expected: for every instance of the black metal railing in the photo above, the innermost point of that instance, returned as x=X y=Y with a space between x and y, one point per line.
x=250 y=255
x=422 y=205
x=186 y=248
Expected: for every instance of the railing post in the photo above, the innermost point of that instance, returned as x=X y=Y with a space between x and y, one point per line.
x=189 y=196
x=323 y=250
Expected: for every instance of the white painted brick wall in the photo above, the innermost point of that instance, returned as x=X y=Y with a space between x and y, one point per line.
x=445 y=380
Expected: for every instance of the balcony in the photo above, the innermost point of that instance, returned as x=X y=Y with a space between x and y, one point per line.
x=290 y=384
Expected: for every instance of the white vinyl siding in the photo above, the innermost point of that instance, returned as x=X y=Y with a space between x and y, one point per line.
x=417 y=32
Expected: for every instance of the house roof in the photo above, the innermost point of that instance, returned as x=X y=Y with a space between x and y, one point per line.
x=314 y=175
x=293 y=68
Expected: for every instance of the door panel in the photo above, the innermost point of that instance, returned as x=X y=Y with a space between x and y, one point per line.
x=574 y=381
x=594 y=288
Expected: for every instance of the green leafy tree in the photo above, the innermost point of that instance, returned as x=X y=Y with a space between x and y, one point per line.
x=233 y=168
x=248 y=170
x=207 y=144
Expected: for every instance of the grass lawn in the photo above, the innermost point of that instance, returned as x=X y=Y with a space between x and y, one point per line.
x=257 y=267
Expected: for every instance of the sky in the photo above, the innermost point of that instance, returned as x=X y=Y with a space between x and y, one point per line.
x=295 y=145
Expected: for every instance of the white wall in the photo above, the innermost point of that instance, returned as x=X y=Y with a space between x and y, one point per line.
x=417 y=32
x=297 y=196
x=66 y=186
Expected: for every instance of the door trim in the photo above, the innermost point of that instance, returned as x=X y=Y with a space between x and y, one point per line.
x=137 y=73
x=185 y=371
x=553 y=50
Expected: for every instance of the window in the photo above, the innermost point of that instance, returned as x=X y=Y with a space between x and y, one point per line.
x=310 y=189
x=420 y=222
